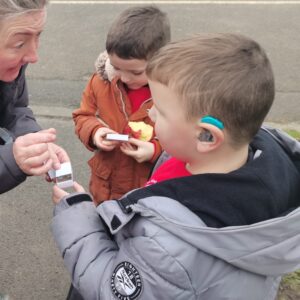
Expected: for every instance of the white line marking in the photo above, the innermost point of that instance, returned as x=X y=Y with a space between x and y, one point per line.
x=246 y=2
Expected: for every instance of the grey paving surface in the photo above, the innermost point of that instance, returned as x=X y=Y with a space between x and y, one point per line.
x=31 y=267
x=75 y=35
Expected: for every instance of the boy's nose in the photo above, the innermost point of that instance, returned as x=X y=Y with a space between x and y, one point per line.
x=124 y=78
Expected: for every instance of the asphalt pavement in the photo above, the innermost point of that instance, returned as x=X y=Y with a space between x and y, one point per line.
x=30 y=265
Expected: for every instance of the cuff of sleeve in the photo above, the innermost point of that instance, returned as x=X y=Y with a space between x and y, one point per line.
x=157 y=151
x=91 y=141
x=70 y=200
x=77 y=198
x=9 y=161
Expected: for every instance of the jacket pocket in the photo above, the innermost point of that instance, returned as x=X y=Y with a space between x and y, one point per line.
x=99 y=167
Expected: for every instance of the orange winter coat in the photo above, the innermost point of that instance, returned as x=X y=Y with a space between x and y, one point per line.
x=105 y=103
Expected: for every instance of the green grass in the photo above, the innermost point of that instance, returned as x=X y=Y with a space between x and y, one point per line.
x=292 y=279
x=290 y=287
x=294 y=133
x=290 y=284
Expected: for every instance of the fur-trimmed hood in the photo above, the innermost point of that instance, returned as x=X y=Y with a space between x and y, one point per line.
x=103 y=67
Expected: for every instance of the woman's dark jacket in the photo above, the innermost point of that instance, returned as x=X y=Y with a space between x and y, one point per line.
x=17 y=119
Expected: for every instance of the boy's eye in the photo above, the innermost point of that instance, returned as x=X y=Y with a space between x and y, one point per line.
x=137 y=73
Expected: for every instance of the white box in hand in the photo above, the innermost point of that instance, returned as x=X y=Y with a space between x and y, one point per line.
x=117 y=137
x=63 y=177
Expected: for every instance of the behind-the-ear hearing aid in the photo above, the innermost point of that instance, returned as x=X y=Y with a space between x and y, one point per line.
x=205 y=135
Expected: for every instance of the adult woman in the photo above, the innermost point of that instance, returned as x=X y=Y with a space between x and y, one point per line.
x=25 y=149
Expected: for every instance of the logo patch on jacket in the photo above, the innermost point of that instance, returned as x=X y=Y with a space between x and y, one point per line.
x=126 y=282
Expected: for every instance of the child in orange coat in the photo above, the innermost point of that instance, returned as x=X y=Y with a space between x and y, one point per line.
x=117 y=100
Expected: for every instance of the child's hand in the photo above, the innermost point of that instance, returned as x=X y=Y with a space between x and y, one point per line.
x=58 y=193
x=101 y=143
x=139 y=150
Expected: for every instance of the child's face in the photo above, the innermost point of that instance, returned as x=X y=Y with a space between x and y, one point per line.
x=131 y=71
x=176 y=135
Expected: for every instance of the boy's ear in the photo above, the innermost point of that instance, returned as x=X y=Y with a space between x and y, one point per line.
x=209 y=137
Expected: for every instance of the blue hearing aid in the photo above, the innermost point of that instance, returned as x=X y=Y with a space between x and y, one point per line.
x=213 y=121
x=205 y=135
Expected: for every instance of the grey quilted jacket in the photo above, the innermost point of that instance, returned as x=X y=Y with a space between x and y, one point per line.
x=155 y=247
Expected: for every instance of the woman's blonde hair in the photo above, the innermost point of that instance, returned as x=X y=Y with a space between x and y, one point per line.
x=11 y=8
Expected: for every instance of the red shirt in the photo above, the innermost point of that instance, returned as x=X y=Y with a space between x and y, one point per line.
x=172 y=168
x=137 y=97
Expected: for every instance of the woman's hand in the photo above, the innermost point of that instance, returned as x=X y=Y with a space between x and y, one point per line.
x=32 y=154
x=58 y=155
x=58 y=193
x=139 y=150
x=100 y=141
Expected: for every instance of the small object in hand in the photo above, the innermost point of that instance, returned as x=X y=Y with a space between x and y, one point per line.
x=117 y=137
x=140 y=130
x=63 y=177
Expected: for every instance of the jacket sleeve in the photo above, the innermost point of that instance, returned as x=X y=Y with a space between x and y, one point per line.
x=18 y=120
x=10 y=174
x=85 y=117
x=20 y=116
x=102 y=268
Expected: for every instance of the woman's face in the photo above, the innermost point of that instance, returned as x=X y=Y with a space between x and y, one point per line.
x=19 y=41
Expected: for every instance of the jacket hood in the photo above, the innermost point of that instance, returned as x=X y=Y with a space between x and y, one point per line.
x=103 y=67
x=267 y=186
x=270 y=246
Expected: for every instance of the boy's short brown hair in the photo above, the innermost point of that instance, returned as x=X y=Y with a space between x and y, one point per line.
x=227 y=76
x=138 y=32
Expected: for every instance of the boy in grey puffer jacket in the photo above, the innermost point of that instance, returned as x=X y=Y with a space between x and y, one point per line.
x=219 y=219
